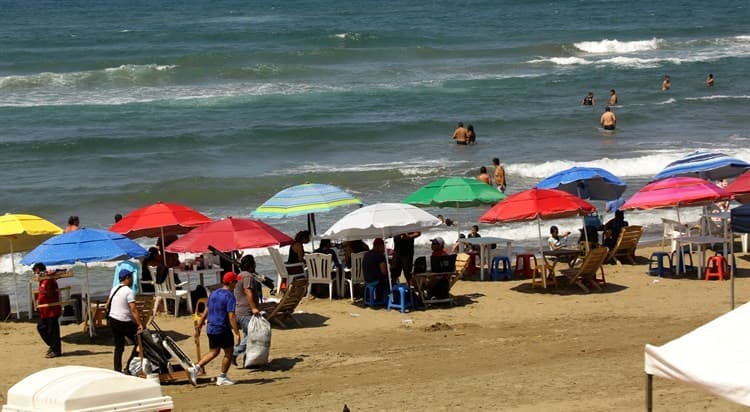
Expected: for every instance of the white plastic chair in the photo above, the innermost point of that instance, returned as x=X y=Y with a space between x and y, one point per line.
x=282 y=268
x=319 y=270
x=167 y=290
x=357 y=273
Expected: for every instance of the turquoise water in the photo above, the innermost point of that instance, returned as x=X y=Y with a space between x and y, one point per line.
x=109 y=106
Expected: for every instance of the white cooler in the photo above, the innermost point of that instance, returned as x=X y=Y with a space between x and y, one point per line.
x=82 y=388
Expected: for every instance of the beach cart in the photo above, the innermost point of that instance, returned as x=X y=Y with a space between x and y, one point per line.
x=85 y=389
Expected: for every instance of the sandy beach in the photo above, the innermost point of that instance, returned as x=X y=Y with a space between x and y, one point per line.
x=504 y=346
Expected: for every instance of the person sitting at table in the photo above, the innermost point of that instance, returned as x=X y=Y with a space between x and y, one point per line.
x=171 y=260
x=375 y=269
x=613 y=228
x=297 y=252
x=438 y=247
x=325 y=247
x=556 y=240
x=461 y=247
x=353 y=246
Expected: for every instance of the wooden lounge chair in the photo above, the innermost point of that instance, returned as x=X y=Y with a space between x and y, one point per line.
x=282 y=311
x=626 y=245
x=462 y=266
x=586 y=272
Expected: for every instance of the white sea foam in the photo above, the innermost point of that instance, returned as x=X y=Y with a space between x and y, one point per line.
x=718 y=97
x=668 y=101
x=617 y=47
x=562 y=61
x=72 y=79
x=417 y=167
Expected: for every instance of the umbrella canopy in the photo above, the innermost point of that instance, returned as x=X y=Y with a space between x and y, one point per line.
x=304 y=199
x=707 y=165
x=84 y=245
x=455 y=192
x=230 y=234
x=159 y=219
x=676 y=192
x=24 y=232
x=740 y=188
x=586 y=182
x=537 y=204
x=381 y=220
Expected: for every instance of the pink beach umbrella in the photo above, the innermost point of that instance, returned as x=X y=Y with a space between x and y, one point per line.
x=676 y=192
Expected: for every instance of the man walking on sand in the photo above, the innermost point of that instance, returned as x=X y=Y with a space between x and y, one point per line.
x=499 y=175
x=608 y=119
x=460 y=135
x=48 y=302
x=221 y=323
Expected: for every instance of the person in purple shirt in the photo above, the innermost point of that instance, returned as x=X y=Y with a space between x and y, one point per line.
x=221 y=323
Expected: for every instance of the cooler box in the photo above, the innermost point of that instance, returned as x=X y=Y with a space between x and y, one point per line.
x=82 y=388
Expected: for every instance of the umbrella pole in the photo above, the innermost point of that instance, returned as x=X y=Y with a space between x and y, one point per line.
x=311 y=228
x=88 y=303
x=731 y=271
x=583 y=218
x=539 y=228
x=15 y=282
x=387 y=266
x=163 y=248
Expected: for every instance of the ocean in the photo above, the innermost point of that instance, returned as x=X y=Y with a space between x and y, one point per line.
x=109 y=106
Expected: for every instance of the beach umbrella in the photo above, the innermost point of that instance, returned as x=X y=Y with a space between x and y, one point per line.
x=84 y=245
x=740 y=188
x=706 y=165
x=591 y=183
x=455 y=192
x=305 y=199
x=159 y=219
x=21 y=232
x=381 y=220
x=676 y=192
x=230 y=234
x=537 y=204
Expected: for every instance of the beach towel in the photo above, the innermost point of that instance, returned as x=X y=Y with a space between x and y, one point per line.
x=258 y=342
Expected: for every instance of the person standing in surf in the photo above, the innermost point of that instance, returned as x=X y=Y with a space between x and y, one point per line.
x=608 y=119
x=471 y=137
x=612 y=98
x=710 y=80
x=499 y=174
x=588 y=100
x=460 y=135
x=666 y=84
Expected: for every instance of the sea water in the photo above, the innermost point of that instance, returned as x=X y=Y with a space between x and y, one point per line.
x=108 y=106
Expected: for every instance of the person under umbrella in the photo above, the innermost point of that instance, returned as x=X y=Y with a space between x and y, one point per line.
x=123 y=318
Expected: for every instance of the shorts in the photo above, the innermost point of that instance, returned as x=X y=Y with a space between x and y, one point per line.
x=609 y=127
x=222 y=340
x=462 y=143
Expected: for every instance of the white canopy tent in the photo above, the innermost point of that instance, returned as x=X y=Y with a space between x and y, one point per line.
x=715 y=358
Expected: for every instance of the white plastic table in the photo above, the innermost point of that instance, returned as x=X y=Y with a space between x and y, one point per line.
x=485 y=246
x=702 y=242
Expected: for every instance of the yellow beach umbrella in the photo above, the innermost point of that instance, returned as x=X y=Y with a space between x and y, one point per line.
x=19 y=233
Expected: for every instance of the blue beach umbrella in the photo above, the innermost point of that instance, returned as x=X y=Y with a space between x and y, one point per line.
x=586 y=182
x=85 y=246
x=305 y=199
x=706 y=165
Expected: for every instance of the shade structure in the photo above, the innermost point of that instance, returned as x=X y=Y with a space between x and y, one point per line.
x=706 y=165
x=455 y=192
x=676 y=192
x=740 y=188
x=159 y=219
x=586 y=182
x=22 y=232
x=230 y=234
x=381 y=220
x=304 y=199
x=84 y=245
x=537 y=204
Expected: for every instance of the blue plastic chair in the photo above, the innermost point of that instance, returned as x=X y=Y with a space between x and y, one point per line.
x=370 y=298
x=496 y=273
x=658 y=259
x=405 y=301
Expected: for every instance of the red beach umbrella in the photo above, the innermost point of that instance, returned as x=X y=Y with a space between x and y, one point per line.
x=159 y=219
x=230 y=234
x=740 y=188
x=537 y=204
x=676 y=192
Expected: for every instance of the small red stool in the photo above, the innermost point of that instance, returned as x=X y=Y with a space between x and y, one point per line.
x=523 y=264
x=716 y=268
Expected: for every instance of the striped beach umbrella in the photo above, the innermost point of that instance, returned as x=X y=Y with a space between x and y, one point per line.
x=706 y=165
x=305 y=199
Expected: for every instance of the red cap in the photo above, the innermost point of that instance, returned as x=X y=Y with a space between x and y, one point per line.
x=230 y=277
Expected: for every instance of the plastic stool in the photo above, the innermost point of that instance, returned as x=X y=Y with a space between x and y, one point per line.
x=370 y=299
x=498 y=274
x=658 y=259
x=523 y=264
x=678 y=258
x=403 y=291
x=716 y=268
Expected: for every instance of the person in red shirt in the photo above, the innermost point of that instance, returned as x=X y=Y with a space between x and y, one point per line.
x=48 y=302
x=438 y=247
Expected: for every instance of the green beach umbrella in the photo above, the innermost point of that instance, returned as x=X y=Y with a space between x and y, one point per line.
x=455 y=192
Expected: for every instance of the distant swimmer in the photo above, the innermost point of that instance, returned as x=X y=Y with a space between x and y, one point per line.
x=666 y=84
x=499 y=175
x=710 y=80
x=612 y=98
x=471 y=137
x=608 y=119
x=460 y=135
x=484 y=176
x=588 y=100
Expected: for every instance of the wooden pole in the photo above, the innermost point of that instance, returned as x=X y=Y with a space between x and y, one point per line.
x=649 y=392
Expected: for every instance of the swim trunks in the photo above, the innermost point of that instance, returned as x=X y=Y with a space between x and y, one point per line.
x=462 y=143
x=609 y=127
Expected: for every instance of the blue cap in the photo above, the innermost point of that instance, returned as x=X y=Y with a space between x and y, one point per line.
x=124 y=273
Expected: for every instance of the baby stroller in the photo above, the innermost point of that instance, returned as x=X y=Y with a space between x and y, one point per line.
x=164 y=357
